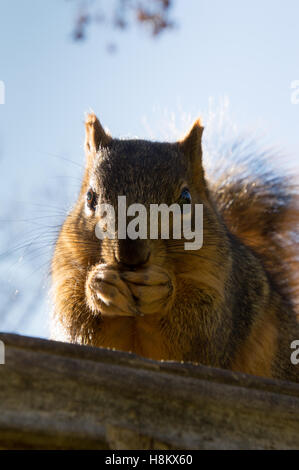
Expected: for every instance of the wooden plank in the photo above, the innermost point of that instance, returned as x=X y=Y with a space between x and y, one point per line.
x=62 y=396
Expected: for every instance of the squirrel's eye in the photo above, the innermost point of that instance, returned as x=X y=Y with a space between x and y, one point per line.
x=91 y=199
x=185 y=197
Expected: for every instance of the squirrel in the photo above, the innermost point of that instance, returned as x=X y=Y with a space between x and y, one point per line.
x=230 y=304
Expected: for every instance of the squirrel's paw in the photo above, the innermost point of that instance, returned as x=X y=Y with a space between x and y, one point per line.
x=152 y=289
x=108 y=294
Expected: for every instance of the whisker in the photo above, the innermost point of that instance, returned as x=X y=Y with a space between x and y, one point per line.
x=53 y=155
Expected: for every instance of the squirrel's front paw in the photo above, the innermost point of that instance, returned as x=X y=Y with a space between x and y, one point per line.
x=152 y=289
x=108 y=294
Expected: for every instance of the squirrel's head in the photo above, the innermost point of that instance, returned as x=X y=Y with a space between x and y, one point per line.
x=145 y=173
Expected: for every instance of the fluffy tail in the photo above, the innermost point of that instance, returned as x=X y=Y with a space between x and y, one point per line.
x=261 y=208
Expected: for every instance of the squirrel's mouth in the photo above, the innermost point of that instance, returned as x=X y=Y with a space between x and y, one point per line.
x=131 y=255
x=139 y=265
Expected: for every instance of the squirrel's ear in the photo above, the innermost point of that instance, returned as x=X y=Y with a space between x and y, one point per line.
x=191 y=144
x=95 y=136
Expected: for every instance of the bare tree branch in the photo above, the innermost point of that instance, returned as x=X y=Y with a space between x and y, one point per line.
x=153 y=14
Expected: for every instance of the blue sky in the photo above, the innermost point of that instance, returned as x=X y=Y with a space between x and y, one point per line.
x=246 y=53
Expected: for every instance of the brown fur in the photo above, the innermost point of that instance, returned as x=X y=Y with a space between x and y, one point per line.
x=230 y=304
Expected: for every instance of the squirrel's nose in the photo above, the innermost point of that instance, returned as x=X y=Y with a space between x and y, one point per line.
x=132 y=253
